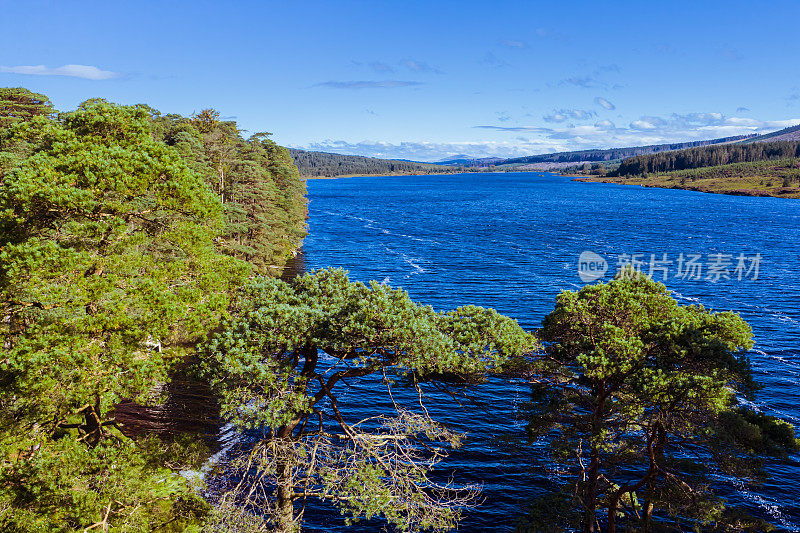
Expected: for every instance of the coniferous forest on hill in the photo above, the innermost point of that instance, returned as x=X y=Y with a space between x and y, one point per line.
x=323 y=164
x=760 y=168
x=708 y=156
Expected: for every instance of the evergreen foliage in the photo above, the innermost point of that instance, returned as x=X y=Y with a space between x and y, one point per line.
x=19 y=104
x=108 y=274
x=273 y=369
x=639 y=400
x=260 y=188
x=116 y=258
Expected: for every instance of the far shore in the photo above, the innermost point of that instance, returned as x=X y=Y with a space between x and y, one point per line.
x=746 y=188
x=391 y=174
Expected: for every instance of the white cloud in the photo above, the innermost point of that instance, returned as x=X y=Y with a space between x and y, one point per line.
x=642 y=125
x=518 y=141
x=648 y=130
x=385 y=84
x=431 y=151
x=87 y=72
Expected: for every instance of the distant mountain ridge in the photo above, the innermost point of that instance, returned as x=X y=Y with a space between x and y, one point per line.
x=313 y=164
x=610 y=154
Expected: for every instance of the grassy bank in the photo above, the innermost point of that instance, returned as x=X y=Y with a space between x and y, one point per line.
x=778 y=178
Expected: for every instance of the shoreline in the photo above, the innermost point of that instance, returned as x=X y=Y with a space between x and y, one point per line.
x=784 y=193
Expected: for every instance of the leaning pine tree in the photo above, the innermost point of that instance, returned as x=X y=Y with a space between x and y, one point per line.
x=280 y=364
x=639 y=403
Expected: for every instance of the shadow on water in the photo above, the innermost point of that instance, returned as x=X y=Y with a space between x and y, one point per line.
x=185 y=405
x=188 y=407
x=295 y=266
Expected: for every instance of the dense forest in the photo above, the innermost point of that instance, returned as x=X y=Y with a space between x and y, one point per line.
x=708 y=156
x=323 y=164
x=615 y=153
x=258 y=185
x=124 y=234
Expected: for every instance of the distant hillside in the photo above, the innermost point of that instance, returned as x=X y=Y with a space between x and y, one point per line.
x=324 y=164
x=611 y=154
x=708 y=156
x=467 y=161
x=778 y=178
x=792 y=133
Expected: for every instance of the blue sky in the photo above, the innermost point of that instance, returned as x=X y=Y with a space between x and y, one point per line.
x=424 y=80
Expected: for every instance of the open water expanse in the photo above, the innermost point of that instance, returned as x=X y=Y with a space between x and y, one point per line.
x=512 y=241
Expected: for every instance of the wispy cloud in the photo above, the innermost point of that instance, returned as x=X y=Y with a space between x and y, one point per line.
x=742 y=109
x=363 y=84
x=510 y=43
x=602 y=102
x=563 y=115
x=520 y=129
x=386 y=67
x=491 y=59
x=379 y=66
x=664 y=48
x=419 y=66
x=584 y=82
x=546 y=33
x=86 y=72
x=592 y=79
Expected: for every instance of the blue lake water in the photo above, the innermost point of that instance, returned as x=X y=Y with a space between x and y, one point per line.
x=511 y=241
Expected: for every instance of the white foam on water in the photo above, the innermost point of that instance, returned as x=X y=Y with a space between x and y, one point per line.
x=373 y=224
x=772 y=508
x=412 y=261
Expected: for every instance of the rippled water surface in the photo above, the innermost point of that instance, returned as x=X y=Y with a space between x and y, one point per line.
x=511 y=241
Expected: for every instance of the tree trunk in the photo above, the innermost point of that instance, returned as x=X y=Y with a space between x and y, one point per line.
x=593 y=477
x=284 y=505
x=93 y=429
x=647 y=515
x=590 y=494
x=284 y=519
